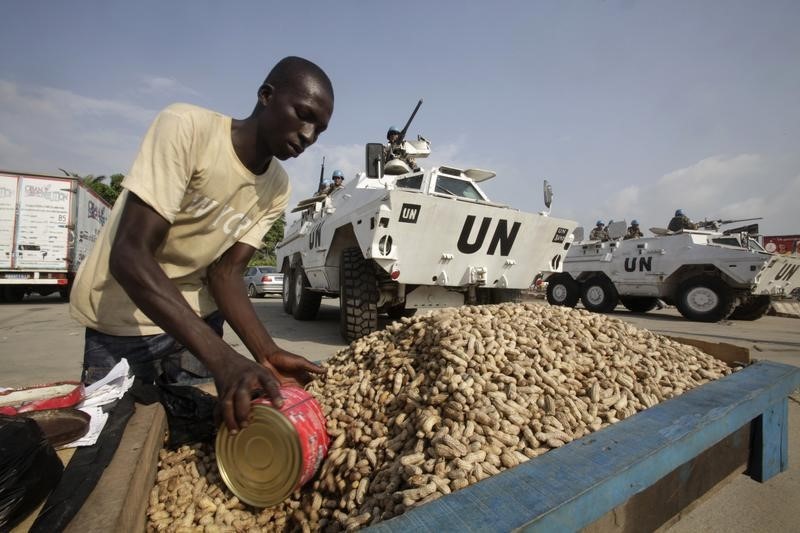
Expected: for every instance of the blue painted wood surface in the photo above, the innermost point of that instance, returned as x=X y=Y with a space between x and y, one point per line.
x=571 y=487
x=770 y=442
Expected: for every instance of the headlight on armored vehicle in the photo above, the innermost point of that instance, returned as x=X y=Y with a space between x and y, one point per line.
x=385 y=245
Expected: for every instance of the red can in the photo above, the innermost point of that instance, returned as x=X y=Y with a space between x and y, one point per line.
x=278 y=452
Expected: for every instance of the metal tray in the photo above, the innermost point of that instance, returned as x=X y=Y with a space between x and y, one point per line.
x=61 y=426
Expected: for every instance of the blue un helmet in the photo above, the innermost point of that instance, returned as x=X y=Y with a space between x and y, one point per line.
x=634 y=222
x=599 y=223
x=679 y=213
x=338 y=174
x=392 y=130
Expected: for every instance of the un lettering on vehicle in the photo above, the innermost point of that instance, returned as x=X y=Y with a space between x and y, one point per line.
x=560 y=235
x=786 y=272
x=502 y=237
x=409 y=213
x=645 y=264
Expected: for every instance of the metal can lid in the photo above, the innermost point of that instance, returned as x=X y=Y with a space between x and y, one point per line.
x=262 y=463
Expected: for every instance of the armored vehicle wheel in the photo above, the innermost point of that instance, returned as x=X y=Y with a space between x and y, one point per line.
x=704 y=299
x=251 y=291
x=305 y=303
x=599 y=295
x=639 y=304
x=288 y=291
x=358 y=296
x=563 y=290
x=754 y=308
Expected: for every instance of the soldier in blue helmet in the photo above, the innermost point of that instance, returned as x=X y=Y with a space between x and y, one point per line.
x=680 y=222
x=633 y=231
x=338 y=181
x=394 y=150
x=393 y=135
x=599 y=233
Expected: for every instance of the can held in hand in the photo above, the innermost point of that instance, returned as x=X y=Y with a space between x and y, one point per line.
x=278 y=452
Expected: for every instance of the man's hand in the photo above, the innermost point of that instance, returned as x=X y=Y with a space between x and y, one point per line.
x=236 y=379
x=290 y=367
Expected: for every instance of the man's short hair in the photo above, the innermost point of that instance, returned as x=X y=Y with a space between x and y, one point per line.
x=289 y=70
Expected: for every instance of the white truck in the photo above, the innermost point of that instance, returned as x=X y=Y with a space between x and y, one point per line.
x=48 y=225
x=395 y=240
x=707 y=274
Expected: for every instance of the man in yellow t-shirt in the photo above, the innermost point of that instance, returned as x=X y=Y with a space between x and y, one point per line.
x=167 y=268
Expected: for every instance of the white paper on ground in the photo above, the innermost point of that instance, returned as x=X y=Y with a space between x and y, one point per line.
x=109 y=389
x=96 y=425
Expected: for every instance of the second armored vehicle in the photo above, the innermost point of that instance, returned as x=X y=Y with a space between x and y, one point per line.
x=707 y=275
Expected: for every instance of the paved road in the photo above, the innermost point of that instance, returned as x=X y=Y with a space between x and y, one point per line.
x=40 y=343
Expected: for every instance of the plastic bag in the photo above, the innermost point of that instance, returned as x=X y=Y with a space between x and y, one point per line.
x=190 y=414
x=29 y=469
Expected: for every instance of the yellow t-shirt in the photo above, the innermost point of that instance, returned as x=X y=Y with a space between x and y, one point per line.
x=188 y=172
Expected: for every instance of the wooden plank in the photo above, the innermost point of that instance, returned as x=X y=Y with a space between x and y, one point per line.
x=669 y=496
x=119 y=501
x=771 y=442
x=571 y=487
x=730 y=353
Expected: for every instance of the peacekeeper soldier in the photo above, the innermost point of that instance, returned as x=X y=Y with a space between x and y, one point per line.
x=680 y=221
x=167 y=268
x=323 y=188
x=338 y=181
x=633 y=231
x=599 y=233
x=394 y=150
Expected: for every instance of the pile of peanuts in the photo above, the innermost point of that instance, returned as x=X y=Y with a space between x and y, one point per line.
x=434 y=403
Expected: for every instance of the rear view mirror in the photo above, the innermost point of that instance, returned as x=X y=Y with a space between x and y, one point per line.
x=548 y=194
x=374 y=160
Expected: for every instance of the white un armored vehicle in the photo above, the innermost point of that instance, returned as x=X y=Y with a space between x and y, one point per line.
x=708 y=275
x=395 y=239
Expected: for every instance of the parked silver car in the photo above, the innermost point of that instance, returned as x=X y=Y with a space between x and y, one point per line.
x=261 y=280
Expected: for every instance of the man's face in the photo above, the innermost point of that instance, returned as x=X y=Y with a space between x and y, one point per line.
x=293 y=117
x=393 y=137
x=338 y=181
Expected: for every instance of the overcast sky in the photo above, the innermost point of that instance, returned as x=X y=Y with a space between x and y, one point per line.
x=630 y=109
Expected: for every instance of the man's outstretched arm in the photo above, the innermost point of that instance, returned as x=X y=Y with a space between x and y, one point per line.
x=225 y=282
x=141 y=231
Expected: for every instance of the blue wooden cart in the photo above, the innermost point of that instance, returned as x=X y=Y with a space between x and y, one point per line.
x=656 y=462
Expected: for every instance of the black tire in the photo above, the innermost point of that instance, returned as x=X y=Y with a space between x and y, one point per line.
x=288 y=291
x=599 y=295
x=305 y=304
x=358 y=296
x=563 y=290
x=704 y=299
x=639 y=304
x=753 y=308
x=65 y=292
x=251 y=291
x=13 y=294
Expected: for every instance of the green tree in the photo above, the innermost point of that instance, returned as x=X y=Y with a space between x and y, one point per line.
x=108 y=188
x=266 y=255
